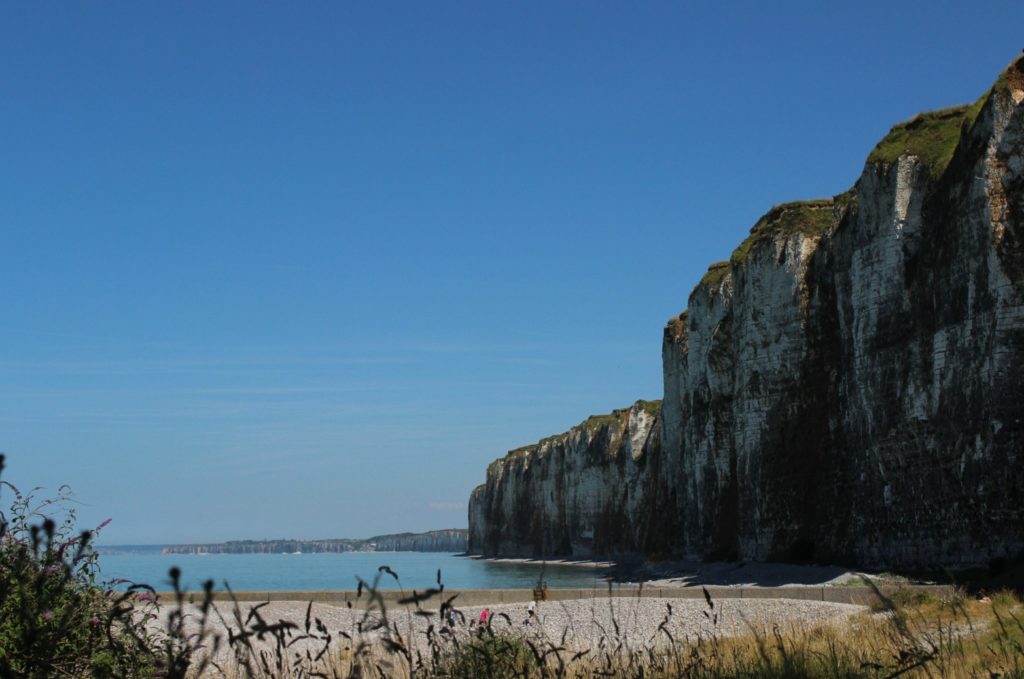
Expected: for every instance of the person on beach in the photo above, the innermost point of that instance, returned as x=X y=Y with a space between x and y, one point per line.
x=482 y=625
x=451 y=620
x=531 y=612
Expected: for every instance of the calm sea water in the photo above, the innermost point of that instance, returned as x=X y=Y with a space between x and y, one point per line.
x=277 y=572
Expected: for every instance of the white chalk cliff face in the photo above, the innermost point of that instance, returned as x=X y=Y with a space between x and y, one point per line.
x=849 y=386
x=577 y=494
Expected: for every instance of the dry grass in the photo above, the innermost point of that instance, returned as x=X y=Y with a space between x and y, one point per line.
x=911 y=635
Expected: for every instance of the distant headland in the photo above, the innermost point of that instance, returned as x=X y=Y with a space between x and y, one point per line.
x=445 y=540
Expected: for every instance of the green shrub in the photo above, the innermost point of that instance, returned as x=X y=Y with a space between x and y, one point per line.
x=55 y=619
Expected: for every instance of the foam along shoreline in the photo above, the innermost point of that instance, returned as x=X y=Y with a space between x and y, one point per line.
x=581 y=563
x=743 y=574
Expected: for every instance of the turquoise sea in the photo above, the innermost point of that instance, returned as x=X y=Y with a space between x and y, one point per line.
x=279 y=572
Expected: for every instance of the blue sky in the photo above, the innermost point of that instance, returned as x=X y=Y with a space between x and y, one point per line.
x=303 y=270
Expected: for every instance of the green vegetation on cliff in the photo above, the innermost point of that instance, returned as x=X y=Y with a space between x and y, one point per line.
x=932 y=137
x=598 y=421
x=591 y=424
x=716 y=273
x=843 y=202
x=807 y=217
x=652 y=408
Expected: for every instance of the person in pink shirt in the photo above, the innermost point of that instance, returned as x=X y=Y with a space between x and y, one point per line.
x=484 y=617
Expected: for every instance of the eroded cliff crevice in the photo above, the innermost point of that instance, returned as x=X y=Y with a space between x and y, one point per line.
x=848 y=386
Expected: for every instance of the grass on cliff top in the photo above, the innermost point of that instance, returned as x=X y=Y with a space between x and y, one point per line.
x=932 y=137
x=523 y=451
x=808 y=217
x=652 y=408
x=592 y=423
x=597 y=421
x=716 y=273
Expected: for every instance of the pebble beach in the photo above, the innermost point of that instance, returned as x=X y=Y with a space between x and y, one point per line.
x=582 y=623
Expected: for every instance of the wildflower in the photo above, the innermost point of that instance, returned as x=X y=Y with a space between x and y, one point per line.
x=145 y=596
x=47 y=615
x=94 y=621
x=103 y=524
x=62 y=547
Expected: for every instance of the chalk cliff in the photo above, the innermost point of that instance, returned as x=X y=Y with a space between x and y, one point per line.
x=849 y=386
x=577 y=493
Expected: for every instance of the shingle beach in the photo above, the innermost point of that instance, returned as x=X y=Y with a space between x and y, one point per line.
x=641 y=622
